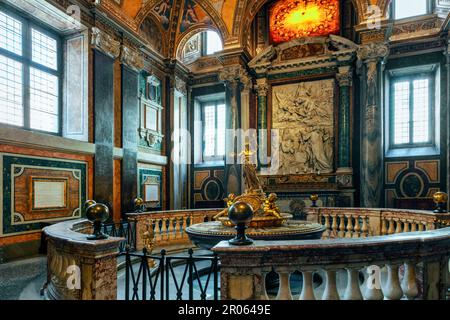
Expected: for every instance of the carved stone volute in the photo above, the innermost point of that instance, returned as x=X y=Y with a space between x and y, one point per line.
x=132 y=58
x=105 y=43
x=235 y=75
x=372 y=52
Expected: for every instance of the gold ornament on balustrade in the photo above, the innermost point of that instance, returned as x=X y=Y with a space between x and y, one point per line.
x=440 y=198
x=314 y=198
x=148 y=239
x=138 y=205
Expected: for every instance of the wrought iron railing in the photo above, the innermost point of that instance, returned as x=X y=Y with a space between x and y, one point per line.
x=154 y=277
x=123 y=229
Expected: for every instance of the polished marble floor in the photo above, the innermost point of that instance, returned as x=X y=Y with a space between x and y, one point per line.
x=23 y=279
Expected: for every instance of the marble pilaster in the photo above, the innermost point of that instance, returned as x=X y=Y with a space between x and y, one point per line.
x=370 y=57
x=262 y=89
x=447 y=65
x=344 y=170
x=235 y=79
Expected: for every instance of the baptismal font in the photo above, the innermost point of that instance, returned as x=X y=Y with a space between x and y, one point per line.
x=268 y=222
x=265 y=211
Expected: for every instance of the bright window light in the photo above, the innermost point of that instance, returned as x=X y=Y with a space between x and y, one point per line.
x=29 y=75
x=410 y=8
x=213 y=42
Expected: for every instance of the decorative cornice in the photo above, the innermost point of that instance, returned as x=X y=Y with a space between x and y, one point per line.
x=132 y=58
x=416 y=28
x=103 y=42
x=373 y=36
x=305 y=53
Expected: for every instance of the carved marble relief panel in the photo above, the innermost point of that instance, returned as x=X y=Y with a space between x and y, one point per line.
x=303 y=114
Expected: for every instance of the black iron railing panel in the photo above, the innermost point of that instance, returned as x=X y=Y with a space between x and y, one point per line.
x=162 y=277
x=123 y=229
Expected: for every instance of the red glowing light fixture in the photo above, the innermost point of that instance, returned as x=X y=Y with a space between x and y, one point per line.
x=292 y=19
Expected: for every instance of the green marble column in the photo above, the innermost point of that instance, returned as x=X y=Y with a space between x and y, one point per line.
x=105 y=51
x=344 y=171
x=262 y=88
x=344 y=80
x=447 y=56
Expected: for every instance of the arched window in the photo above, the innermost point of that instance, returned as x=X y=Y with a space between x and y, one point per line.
x=213 y=42
x=201 y=44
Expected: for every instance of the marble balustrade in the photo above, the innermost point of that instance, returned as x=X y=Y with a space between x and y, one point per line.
x=415 y=266
x=362 y=223
x=409 y=246
x=169 y=226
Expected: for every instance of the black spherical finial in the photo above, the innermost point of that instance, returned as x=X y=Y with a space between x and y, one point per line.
x=87 y=204
x=97 y=213
x=240 y=213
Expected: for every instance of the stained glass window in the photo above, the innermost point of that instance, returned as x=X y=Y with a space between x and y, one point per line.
x=292 y=19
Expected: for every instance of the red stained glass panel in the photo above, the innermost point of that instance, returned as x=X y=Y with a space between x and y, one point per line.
x=292 y=19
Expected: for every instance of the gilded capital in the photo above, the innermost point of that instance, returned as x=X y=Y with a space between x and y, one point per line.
x=235 y=75
x=132 y=58
x=372 y=51
x=103 y=42
x=344 y=79
x=262 y=87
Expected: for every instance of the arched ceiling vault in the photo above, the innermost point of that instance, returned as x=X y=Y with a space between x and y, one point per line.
x=232 y=25
x=173 y=32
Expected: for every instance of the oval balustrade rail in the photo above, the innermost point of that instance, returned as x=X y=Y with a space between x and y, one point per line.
x=421 y=255
x=168 y=226
x=362 y=223
x=422 y=258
